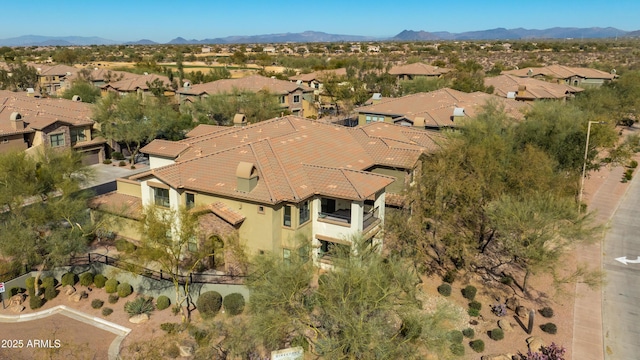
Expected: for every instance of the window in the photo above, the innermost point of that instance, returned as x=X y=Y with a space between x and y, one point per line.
x=373 y=118
x=304 y=212
x=77 y=135
x=192 y=244
x=287 y=216
x=161 y=197
x=296 y=99
x=57 y=140
x=327 y=205
x=190 y=200
x=281 y=99
x=286 y=256
x=260 y=209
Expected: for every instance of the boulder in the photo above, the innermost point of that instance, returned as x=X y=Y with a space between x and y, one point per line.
x=75 y=297
x=138 y=319
x=512 y=303
x=534 y=343
x=68 y=290
x=185 y=351
x=17 y=299
x=505 y=325
x=522 y=312
x=16 y=308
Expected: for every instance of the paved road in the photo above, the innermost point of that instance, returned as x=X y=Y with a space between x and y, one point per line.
x=621 y=294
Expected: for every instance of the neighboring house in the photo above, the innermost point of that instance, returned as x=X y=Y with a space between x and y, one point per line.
x=99 y=77
x=314 y=79
x=434 y=110
x=53 y=80
x=277 y=179
x=417 y=70
x=138 y=84
x=27 y=123
x=296 y=98
x=574 y=76
x=529 y=89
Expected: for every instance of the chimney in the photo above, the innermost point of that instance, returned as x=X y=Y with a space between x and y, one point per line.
x=239 y=120
x=76 y=98
x=458 y=113
x=522 y=91
x=247 y=176
x=16 y=121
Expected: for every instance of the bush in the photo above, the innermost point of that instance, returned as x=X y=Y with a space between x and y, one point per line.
x=113 y=298
x=140 y=305
x=457 y=349
x=469 y=292
x=546 y=312
x=496 y=334
x=468 y=333
x=116 y=155
x=97 y=303
x=162 y=302
x=209 y=303
x=628 y=175
x=475 y=305
x=473 y=312
x=69 y=279
x=170 y=328
x=455 y=336
x=633 y=164
x=99 y=281
x=106 y=311
x=233 y=304
x=16 y=290
x=477 y=345
x=449 y=277
x=30 y=283
x=86 y=279
x=111 y=286
x=506 y=280
x=173 y=351
x=124 y=290
x=50 y=292
x=35 y=302
x=122 y=163
x=410 y=329
x=48 y=281
x=123 y=245
x=198 y=334
x=106 y=161
x=549 y=328
x=444 y=289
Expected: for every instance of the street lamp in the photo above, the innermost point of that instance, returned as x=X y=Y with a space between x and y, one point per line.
x=584 y=163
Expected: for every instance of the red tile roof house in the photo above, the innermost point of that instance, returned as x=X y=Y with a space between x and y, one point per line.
x=296 y=98
x=574 y=76
x=434 y=110
x=417 y=70
x=275 y=179
x=529 y=89
x=27 y=123
x=138 y=84
x=54 y=80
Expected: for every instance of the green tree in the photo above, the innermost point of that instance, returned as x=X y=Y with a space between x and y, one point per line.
x=87 y=92
x=422 y=84
x=220 y=109
x=469 y=77
x=22 y=77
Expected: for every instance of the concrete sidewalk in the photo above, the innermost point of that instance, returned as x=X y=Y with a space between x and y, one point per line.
x=607 y=191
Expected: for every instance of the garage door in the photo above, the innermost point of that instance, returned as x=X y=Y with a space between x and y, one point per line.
x=91 y=157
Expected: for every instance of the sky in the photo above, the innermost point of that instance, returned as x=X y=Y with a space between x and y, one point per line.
x=161 y=20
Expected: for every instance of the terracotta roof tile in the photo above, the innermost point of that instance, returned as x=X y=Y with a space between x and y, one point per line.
x=561 y=72
x=165 y=148
x=119 y=204
x=419 y=69
x=318 y=75
x=135 y=82
x=534 y=88
x=252 y=83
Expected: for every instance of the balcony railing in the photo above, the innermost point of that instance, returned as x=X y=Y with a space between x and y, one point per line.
x=342 y=216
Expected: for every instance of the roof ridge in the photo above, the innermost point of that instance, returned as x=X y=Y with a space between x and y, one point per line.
x=355 y=188
x=266 y=183
x=286 y=177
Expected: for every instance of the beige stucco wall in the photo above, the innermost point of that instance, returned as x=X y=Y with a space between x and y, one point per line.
x=12 y=143
x=128 y=187
x=362 y=118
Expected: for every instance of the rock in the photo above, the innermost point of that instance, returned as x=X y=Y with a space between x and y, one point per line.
x=138 y=319
x=185 y=351
x=522 y=312
x=68 y=290
x=17 y=299
x=512 y=303
x=16 y=308
x=505 y=325
x=534 y=343
x=75 y=297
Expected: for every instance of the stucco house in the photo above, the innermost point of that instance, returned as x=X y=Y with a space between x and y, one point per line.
x=530 y=89
x=574 y=76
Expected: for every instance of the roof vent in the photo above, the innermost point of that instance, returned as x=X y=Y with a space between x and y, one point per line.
x=299 y=82
x=458 y=111
x=418 y=121
x=239 y=120
x=68 y=73
x=187 y=85
x=16 y=121
x=511 y=95
x=247 y=176
x=377 y=96
x=76 y=98
x=613 y=71
x=146 y=73
x=530 y=72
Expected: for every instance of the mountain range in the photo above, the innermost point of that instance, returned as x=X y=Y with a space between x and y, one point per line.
x=316 y=36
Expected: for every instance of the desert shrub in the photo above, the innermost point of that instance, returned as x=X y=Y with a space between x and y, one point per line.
x=124 y=290
x=99 y=281
x=106 y=161
x=475 y=305
x=172 y=351
x=549 y=328
x=499 y=309
x=198 y=334
x=162 y=302
x=633 y=164
x=50 y=292
x=122 y=163
x=473 y=312
x=496 y=334
x=86 y=279
x=175 y=310
x=113 y=298
x=48 y=281
x=449 y=277
x=233 y=303
x=628 y=175
x=107 y=311
x=546 y=312
x=69 y=279
x=477 y=345
x=444 y=289
x=140 y=305
x=116 y=155
x=111 y=286
x=410 y=329
x=97 y=303
x=35 y=302
x=30 y=283
x=16 y=290
x=506 y=280
x=209 y=303
x=455 y=336
x=170 y=328
x=469 y=333
x=469 y=292
x=123 y=245
x=457 y=349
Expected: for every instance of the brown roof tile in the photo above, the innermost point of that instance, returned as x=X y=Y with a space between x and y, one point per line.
x=165 y=148
x=419 y=69
x=252 y=83
x=226 y=213
x=119 y=204
x=136 y=82
x=535 y=89
x=561 y=72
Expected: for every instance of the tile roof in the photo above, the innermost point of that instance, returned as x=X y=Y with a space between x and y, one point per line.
x=252 y=83
x=136 y=82
x=420 y=69
x=318 y=75
x=561 y=72
x=165 y=148
x=535 y=89
x=436 y=107
x=118 y=204
x=205 y=129
x=38 y=113
x=226 y=213
x=59 y=70
x=295 y=158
